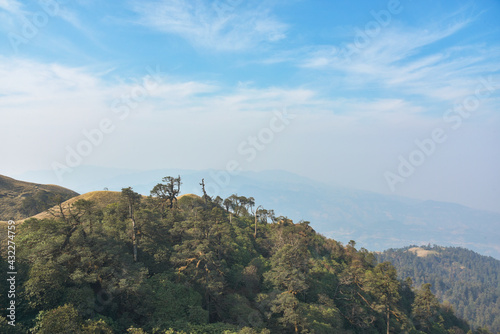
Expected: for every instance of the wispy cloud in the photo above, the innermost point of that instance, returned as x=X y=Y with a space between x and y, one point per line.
x=16 y=16
x=405 y=60
x=218 y=26
x=10 y=12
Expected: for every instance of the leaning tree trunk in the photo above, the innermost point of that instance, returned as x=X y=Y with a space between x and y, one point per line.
x=388 y=315
x=134 y=232
x=134 y=239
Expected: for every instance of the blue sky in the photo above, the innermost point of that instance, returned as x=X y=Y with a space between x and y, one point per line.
x=397 y=97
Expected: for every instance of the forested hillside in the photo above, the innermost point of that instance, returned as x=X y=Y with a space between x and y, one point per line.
x=164 y=264
x=468 y=281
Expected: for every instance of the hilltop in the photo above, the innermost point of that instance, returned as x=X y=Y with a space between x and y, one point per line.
x=468 y=281
x=20 y=199
x=100 y=198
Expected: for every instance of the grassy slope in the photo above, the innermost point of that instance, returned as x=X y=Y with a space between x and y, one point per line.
x=12 y=193
x=100 y=198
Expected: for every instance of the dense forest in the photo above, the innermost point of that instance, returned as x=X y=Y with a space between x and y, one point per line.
x=468 y=281
x=190 y=264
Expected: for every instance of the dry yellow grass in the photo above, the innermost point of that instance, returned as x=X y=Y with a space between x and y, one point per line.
x=188 y=195
x=421 y=252
x=100 y=198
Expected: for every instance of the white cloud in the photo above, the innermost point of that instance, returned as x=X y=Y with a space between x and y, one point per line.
x=10 y=13
x=25 y=81
x=20 y=20
x=12 y=6
x=50 y=104
x=220 y=26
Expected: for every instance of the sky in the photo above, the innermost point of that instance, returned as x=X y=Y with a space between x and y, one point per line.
x=395 y=97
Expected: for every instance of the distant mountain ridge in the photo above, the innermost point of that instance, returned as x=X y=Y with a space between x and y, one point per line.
x=20 y=199
x=377 y=222
x=468 y=281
